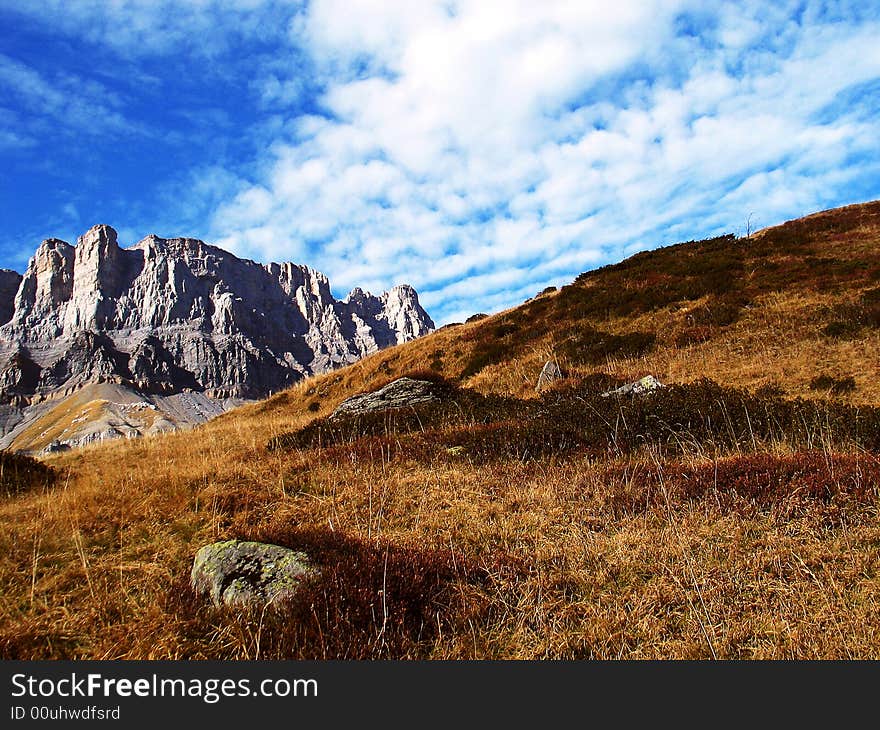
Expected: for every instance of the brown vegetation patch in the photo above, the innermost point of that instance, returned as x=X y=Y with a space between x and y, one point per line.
x=458 y=406
x=651 y=280
x=590 y=346
x=848 y=319
x=792 y=485
x=369 y=600
x=20 y=473
x=701 y=416
x=835 y=386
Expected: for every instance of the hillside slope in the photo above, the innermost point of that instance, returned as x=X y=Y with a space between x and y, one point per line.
x=790 y=304
x=734 y=517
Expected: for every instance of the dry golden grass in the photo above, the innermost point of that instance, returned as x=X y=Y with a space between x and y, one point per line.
x=581 y=556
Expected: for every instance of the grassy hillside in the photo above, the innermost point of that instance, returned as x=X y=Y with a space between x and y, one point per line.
x=731 y=515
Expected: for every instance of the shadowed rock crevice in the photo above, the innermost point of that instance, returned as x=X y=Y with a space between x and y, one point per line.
x=9 y=283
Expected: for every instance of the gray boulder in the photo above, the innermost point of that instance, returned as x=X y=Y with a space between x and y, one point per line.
x=550 y=373
x=645 y=385
x=400 y=393
x=56 y=446
x=241 y=574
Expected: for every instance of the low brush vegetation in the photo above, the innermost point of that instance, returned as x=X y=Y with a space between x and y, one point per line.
x=699 y=417
x=732 y=514
x=339 y=613
x=20 y=473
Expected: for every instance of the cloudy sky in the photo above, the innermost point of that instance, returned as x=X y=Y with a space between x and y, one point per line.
x=477 y=149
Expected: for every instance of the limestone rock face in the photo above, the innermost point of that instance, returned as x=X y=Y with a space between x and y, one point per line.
x=240 y=574
x=400 y=309
x=178 y=315
x=9 y=283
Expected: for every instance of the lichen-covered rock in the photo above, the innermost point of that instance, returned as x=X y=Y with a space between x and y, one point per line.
x=550 y=373
x=400 y=393
x=240 y=574
x=644 y=385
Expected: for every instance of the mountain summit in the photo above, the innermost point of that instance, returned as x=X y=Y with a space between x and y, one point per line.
x=174 y=316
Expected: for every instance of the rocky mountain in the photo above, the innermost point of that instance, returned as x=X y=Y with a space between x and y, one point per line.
x=178 y=316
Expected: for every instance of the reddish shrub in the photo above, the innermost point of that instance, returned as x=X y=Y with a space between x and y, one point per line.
x=695 y=336
x=794 y=484
x=369 y=600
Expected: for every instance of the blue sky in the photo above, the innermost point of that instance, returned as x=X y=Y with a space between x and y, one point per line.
x=479 y=150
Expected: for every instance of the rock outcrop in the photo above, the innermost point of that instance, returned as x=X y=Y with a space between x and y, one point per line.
x=178 y=315
x=240 y=574
x=644 y=385
x=550 y=373
x=400 y=393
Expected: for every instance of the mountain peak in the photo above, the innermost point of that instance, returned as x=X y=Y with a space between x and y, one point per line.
x=99 y=234
x=215 y=323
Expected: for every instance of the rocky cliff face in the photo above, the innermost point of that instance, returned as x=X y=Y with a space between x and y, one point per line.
x=177 y=315
x=9 y=282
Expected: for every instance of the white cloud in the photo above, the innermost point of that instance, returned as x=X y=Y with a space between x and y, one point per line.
x=64 y=100
x=481 y=148
x=276 y=92
x=147 y=27
x=10 y=140
x=475 y=141
x=478 y=152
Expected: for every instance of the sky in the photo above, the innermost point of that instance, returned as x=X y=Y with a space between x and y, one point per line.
x=480 y=150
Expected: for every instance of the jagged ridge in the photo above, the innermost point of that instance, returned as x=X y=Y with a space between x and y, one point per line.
x=175 y=315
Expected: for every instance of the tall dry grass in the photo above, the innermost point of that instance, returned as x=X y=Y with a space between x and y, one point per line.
x=768 y=549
